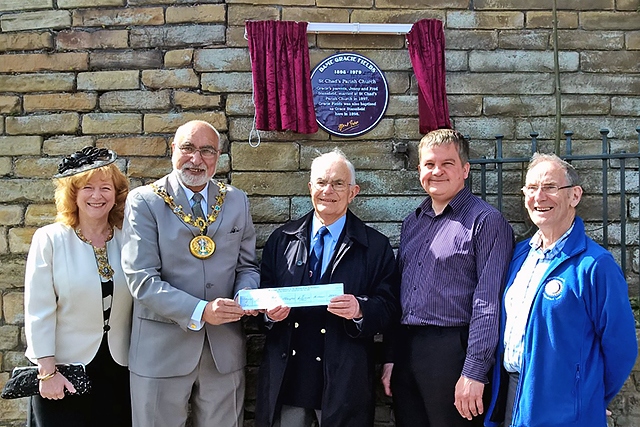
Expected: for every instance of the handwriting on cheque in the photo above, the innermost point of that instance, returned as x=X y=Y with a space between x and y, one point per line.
x=293 y=296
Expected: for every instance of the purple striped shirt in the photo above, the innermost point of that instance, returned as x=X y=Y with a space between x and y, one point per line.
x=453 y=270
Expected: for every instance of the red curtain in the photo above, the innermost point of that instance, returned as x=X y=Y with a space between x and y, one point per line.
x=426 y=49
x=282 y=91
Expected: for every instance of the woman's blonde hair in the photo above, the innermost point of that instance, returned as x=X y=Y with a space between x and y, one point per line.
x=67 y=193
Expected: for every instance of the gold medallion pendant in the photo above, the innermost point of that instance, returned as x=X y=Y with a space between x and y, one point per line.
x=202 y=247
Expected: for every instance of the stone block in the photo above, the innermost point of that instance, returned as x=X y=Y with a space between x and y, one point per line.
x=203 y=13
x=541 y=4
x=118 y=17
x=192 y=100
x=75 y=4
x=486 y=127
x=136 y=146
x=135 y=100
x=43 y=124
x=39 y=215
x=238 y=14
x=178 y=58
x=633 y=40
x=407 y=129
x=436 y=4
x=161 y=79
x=617 y=21
x=136 y=60
x=106 y=123
x=62 y=145
x=282 y=2
x=79 y=101
x=9 y=337
x=223 y=167
x=20 y=63
x=9 y=104
x=500 y=83
x=271 y=183
x=632 y=5
x=20 y=145
x=524 y=39
x=402 y=105
x=582 y=40
x=585 y=104
x=4 y=245
x=266 y=157
x=269 y=209
x=12 y=272
x=30 y=167
x=544 y=19
x=360 y=41
x=240 y=129
x=398 y=82
x=101 y=39
x=239 y=105
x=14 y=410
x=10 y=214
x=364 y=155
x=25 y=41
x=465 y=105
x=384 y=208
x=306 y=14
x=148 y=167
x=471 y=39
x=226 y=82
x=168 y=123
x=610 y=62
x=5 y=166
x=625 y=106
x=13 y=308
x=26 y=83
x=454 y=60
x=235 y=37
x=344 y=3
x=521 y=61
x=485 y=20
x=600 y=83
x=397 y=16
x=16 y=5
x=172 y=36
x=109 y=80
x=45 y=19
x=586 y=4
x=221 y=60
x=519 y=105
x=15 y=358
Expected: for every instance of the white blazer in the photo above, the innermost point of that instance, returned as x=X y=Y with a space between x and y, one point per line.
x=63 y=298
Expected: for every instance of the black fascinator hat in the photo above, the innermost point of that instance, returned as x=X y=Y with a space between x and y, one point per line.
x=86 y=159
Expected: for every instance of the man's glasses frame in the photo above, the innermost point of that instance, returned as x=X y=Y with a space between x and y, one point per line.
x=549 y=190
x=205 y=152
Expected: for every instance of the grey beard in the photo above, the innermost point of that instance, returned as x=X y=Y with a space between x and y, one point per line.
x=192 y=181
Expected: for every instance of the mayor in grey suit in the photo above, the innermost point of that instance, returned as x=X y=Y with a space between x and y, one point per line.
x=184 y=261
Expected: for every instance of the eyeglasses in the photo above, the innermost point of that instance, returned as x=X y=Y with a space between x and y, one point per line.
x=338 y=186
x=549 y=190
x=206 y=152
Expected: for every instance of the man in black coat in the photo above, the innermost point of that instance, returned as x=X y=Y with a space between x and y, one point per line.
x=318 y=362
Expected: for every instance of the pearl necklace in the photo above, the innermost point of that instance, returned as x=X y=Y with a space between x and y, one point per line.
x=104 y=268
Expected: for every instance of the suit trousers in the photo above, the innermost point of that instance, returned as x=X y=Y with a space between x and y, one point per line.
x=216 y=399
x=428 y=365
x=294 y=416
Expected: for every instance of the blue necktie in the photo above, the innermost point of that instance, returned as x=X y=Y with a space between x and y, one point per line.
x=196 y=207
x=315 y=263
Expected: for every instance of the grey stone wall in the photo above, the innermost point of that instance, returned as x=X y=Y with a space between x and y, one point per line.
x=124 y=74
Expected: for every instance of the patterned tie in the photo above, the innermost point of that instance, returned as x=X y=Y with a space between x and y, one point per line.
x=196 y=207
x=315 y=264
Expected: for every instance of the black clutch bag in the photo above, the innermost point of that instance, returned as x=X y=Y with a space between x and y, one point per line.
x=24 y=381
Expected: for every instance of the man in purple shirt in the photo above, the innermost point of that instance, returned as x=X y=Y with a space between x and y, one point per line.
x=454 y=253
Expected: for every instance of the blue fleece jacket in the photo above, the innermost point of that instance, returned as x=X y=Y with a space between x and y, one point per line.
x=580 y=340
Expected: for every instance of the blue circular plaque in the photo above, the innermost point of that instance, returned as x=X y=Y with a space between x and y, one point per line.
x=350 y=94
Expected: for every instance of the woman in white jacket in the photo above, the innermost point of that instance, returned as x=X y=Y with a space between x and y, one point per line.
x=77 y=304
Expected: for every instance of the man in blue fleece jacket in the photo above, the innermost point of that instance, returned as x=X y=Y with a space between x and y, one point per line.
x=568 y=339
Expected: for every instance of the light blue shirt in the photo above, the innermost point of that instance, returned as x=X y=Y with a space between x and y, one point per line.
x=330 y=239
x=519 y=298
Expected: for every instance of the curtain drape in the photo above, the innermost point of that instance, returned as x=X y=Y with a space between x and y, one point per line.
x=282 y=91
x=426 y=49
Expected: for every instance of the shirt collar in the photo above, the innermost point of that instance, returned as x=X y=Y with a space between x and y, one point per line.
x=555 y=248
x=458 y=201
x=189 y=193
x=334 y=229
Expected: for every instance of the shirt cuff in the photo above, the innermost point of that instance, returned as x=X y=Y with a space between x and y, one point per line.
x=358 y=323
x=196 y=322
x=475 y=370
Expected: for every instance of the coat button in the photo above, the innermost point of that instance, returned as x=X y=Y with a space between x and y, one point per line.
x=318 y=359
x=323 y=331
x=209 y=285
x=299 y=263
x=283 y=355
x=295 y=325
x=293 y=352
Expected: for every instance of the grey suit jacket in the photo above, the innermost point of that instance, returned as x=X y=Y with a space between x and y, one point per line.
x=167 y=282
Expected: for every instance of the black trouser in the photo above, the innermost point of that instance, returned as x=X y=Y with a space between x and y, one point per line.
x=428 y=364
